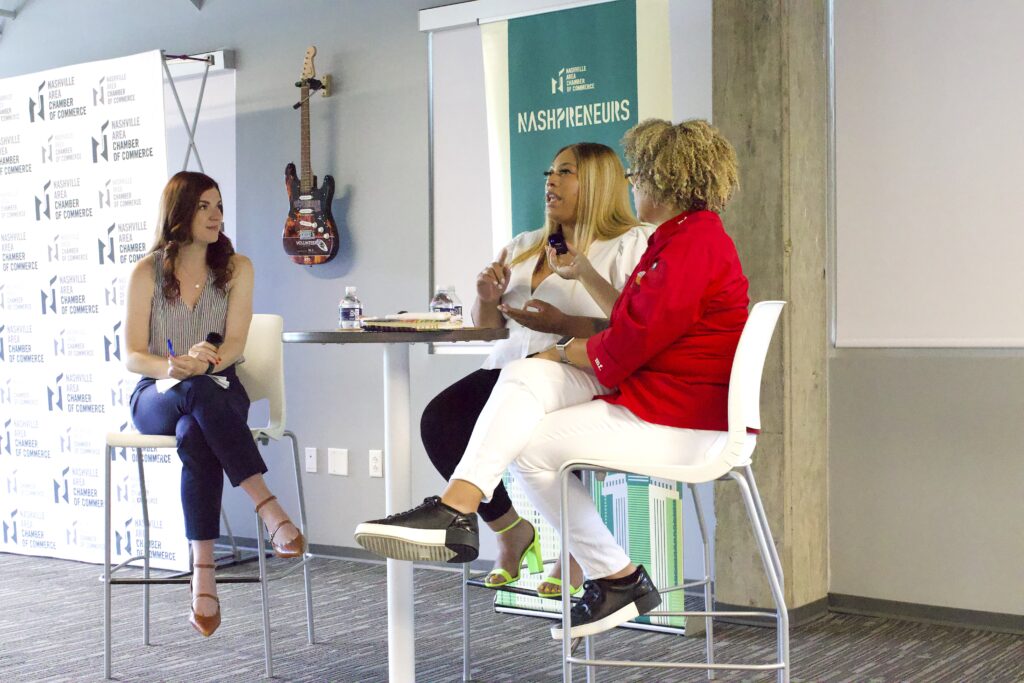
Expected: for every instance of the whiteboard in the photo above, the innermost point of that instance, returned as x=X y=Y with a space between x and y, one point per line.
x=929 y=164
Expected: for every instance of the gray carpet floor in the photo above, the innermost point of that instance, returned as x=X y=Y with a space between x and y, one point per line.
x=51 y=630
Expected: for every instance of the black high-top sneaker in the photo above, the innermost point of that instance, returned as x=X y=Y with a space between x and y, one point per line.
x=606 y=603
x=431 y=531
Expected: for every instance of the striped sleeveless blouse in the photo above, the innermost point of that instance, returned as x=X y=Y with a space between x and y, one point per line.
x=174 y=320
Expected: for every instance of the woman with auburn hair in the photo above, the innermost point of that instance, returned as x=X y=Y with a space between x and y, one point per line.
x=189 y=285
x=587 y=205
x=663 y=365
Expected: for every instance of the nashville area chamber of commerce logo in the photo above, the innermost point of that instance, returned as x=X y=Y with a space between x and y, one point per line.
x=573 y=80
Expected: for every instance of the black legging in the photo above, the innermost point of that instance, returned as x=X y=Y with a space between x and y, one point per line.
x=447 y=424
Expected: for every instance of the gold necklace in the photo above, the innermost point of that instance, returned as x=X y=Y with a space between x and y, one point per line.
x=198 y=283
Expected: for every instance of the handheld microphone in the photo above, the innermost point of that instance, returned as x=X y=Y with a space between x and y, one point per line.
x=215 y=339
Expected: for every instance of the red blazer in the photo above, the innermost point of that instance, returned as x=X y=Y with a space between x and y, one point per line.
x=675 y=327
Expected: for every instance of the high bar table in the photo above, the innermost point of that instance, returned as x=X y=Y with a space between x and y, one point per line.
x=398 y=463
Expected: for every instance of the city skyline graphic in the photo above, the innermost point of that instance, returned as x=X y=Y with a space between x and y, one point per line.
x=645 y=517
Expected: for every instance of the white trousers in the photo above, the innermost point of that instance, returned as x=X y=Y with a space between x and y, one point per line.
x=539 y=415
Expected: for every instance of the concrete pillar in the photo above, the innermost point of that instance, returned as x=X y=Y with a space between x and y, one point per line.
x=770 y=100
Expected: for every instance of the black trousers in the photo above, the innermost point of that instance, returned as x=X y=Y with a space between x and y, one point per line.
x=213 y=440
x=447 y=424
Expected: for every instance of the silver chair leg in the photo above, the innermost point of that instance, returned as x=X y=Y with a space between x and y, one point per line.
x=305 y=532
x=467 y=662
x=236 y=554
x=106 y=563
x=782 y=627
x=262 y=555
x=145 y=545
x=566 y=579
x=588 y=649
x=748 y=472
x=709 y=633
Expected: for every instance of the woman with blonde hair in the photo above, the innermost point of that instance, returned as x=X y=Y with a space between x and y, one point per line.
x=587 y=205
x=663 y=365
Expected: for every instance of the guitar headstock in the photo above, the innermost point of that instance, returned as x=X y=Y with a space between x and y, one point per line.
x=308 y=70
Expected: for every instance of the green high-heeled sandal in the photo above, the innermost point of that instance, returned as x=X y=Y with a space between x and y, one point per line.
x=573 y=590
x=534 y=560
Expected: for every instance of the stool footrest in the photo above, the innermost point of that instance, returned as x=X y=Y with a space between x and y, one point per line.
x=478 y=582
x=763 y=615
x=171 y=580
x=677 y=665
x=684 y=586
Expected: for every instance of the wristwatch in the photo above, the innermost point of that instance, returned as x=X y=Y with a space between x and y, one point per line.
x=562 y=344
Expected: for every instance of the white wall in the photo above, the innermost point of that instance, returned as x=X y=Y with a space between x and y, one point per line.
x=929 y=158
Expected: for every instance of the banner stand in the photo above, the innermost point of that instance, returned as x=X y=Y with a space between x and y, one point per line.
x=190 y=131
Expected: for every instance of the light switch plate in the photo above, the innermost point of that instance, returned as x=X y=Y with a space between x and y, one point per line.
x=337 y=461
x=310 y=459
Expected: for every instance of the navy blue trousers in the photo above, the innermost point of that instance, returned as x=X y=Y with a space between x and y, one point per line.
x=213 y=440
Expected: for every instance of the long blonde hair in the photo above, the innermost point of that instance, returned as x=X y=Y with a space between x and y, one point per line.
x=603 y=211
x=690 y=165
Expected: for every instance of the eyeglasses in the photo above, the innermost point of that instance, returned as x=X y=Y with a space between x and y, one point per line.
x=632 y=176
x=562 y=172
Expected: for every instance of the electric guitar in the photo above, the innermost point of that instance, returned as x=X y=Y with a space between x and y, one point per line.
x=310 y=233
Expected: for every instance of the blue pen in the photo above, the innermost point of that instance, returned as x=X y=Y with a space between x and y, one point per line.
x=170 y=347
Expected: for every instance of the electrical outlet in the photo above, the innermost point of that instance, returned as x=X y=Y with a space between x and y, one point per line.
x=376 y=463
x=310 y=459
x=337 y=461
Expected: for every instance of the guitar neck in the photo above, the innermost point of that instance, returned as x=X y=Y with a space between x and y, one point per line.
x=306 y=179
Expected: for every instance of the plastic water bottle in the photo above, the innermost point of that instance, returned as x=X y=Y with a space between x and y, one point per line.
x=441 y=303
x=456 y=304
x=350 y=310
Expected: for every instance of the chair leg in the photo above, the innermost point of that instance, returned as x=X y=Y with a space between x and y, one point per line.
x=106 y=563
x=265 y=598
x=236 y=554
x=566 y=598
x=782 y=627
x=467 y=661
x=145 y=545
x=588 y=652
x=709 y=600
x=763 y=520
x=307 y=579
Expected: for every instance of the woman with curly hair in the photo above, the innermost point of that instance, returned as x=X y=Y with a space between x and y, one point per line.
x=663 y=363
x=191 y=284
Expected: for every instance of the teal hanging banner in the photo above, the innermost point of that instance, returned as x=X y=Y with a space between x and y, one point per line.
x=572 y=77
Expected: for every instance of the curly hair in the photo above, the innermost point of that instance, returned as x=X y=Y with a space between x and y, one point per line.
x=602 y=210
x=179 y=204
x=689 y=165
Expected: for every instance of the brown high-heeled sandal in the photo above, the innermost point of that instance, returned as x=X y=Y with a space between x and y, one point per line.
x=205 y=624
x=293 y=548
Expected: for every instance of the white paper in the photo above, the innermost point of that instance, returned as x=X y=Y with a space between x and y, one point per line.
x=162 y=385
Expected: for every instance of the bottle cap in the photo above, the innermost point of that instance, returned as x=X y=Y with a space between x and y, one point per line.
x=350 y=290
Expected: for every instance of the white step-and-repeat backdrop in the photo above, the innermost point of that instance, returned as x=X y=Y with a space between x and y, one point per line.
x=82 y=161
